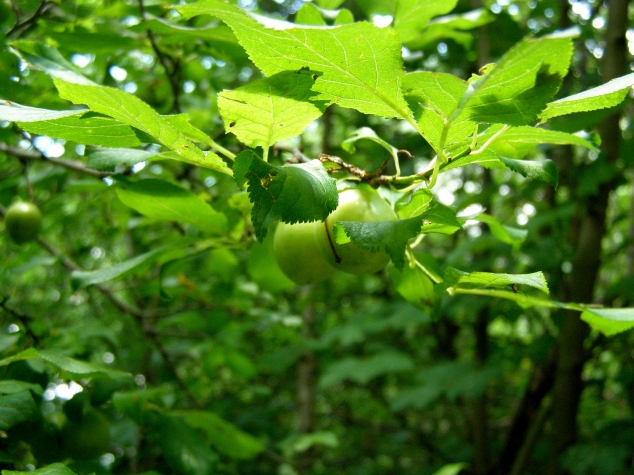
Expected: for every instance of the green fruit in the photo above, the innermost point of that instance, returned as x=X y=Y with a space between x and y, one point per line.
x=88 y=438
x=23 y=221
x=355 y=204
x=296 y=253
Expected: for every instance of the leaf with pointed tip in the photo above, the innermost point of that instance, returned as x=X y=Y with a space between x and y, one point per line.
x=607 y=95
x=14 y=112
x=487 y=280
x=291 y=193
x=309 y=14
x=361 y=64
x=367 y=133
x=270 y=109
x=516 y=89
x=507 y=234
x=113 y=159
x=133 y=111
x=453 y=27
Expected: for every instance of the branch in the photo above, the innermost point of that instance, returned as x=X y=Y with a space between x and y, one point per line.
x=20 y=27
x=33 y=155
x=170 y=69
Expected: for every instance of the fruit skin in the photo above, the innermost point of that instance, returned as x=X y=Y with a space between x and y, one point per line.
x=355 y=204
x=23 y=221
x=297 y=255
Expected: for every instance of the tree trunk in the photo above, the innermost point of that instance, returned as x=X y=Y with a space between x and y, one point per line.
x=591 y=215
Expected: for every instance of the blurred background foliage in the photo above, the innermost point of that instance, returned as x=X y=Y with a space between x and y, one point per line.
x=230 y=368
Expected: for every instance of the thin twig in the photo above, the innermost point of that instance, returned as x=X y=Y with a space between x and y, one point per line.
x=20 y=27
x=170 y=69
x=33 y=155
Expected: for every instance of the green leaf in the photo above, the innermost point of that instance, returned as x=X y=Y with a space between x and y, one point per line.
x=309 y=14
x=415 y=286
x=165 y=201
x=133 y=111
x=486 y=280
x=16 y=408
x=360 y=63
x=47 y=59
x=292 y=193
x=607 y=95
x=517 y=142
x=434 y=97
x=362 y=370
x=329 y=4
x=411 y=16
x=507 y=234
x=303 y=442
x=270 y=109
x=52 y=469
x=225 y=437
x=609 y=321
x=451 y=469
x=64 y=362
x=81 y=279
x=367 y=133
x=452 y=27
x=517 y=89
x=393 y=236
x=183 y=448
x=12 y=386
x=544 y=170
x=119 y=159
x=102 y=131
x=13 y=112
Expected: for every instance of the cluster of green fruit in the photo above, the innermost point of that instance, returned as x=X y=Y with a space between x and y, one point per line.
x=23 y=221
x=307 y=252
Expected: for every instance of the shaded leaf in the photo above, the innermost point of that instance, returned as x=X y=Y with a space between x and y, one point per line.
x=363 y=370
x=544 y=170
x=487 y=280
x=52 y=469
x=16 y=408
x=609 y=321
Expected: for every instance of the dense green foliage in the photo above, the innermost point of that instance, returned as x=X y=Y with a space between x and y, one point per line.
x=153 y=328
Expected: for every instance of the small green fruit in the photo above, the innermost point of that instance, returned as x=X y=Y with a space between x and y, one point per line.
x=296 y=253
x=23 y=221
x=355 y=204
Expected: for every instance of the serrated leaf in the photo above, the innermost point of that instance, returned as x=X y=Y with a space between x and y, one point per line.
x=47 y=59
x=52 y=469
x=14 y=112
x=291 y=193
x=64 y=363
x=518 y=87
x=16 y=408
x=544 y=170
x=133 y=111
x=433 y=98
x=609 y=321
x=487 y=280
x=411 y=16
x=225 y=437
x=507 y=234
x=102 y=131
x=81 y=279
x=393 y=236
x=517 y=142
x=270 y=109
x=607 y=95
x=417 y=203
x=360 y=63
x=165 y=201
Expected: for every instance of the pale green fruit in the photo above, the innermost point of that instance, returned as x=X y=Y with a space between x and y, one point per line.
x=297 y=255
x=23 y=221
x=355 y=204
